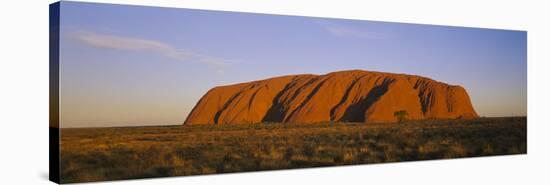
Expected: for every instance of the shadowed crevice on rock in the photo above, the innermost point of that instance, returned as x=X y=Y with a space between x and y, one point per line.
x=356 y=111
x=225 y=106
x=308 y=98
x=276 y=112
x=344 y=99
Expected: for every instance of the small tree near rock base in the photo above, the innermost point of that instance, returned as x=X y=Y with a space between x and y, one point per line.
x=401 y=115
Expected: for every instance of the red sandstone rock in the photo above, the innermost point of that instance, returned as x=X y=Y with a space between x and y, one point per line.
x=345 y=96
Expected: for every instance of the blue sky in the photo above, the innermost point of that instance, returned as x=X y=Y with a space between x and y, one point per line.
x=134 y=65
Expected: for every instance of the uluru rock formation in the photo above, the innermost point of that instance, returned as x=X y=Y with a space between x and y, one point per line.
x=344 y=96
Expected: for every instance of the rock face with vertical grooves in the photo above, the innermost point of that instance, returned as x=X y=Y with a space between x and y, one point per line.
x=344 y=96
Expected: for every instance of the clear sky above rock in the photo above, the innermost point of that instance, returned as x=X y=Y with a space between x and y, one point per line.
x=134 y=65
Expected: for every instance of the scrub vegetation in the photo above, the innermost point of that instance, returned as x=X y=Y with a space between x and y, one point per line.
x=96 y=154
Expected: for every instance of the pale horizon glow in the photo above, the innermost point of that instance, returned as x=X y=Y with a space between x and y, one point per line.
x=134 y=66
